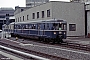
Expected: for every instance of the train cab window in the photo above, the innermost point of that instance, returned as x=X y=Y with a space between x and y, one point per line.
x=65 y=26
x=60 y=26
x=34 y=26
x=55 y=26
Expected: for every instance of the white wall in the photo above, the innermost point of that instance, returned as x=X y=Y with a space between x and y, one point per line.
x=36 y=9
x=88 y=22
x=73 y=13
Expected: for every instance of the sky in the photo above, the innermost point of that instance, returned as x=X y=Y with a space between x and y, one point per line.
x=13 y=3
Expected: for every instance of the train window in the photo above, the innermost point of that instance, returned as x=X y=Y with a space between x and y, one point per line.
x=48 y=26
x=44 y=25
x=65 y=27
x=39 y=26
x=29 y=26
x=34 y=26
x=60 y=26
x=55 y=26
x=26 y=26
x=72 y=27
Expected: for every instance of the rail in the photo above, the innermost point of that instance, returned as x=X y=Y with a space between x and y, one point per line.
x=23 y=53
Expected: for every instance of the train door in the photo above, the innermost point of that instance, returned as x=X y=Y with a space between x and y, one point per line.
x=38 y=26
x=43 y=28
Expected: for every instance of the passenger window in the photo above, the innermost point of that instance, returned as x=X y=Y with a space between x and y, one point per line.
x=44 y=25
x=39 y=26
x=48 y=26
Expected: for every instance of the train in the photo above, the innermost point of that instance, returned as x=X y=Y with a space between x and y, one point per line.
x=52 y=30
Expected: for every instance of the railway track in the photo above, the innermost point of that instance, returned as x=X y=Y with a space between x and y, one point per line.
x=76 y=46
x=28 y=52
x=70 y=45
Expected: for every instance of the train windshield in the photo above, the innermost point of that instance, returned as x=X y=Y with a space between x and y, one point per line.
x=59 y=26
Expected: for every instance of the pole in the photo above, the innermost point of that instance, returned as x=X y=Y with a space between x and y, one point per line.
x=2 y=30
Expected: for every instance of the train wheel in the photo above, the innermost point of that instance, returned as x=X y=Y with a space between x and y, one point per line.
x=53 y=41
x=47 y=40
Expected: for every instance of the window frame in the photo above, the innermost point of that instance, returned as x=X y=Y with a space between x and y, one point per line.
x=37 y=14
x=48 y=13
x=72 y=27
x=27 y=17
x=33 y=15
x=23 y=18
x=42 y=14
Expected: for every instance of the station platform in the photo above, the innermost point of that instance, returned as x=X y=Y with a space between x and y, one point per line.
x=78 y=40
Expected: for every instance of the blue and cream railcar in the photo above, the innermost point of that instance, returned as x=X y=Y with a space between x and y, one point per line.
x=48 y=30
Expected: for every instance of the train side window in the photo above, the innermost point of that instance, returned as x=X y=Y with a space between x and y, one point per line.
x=48 y=26
x=29 y=26
x=39 y=26
x=26 y=26
x=34 y=26
x=44 y=25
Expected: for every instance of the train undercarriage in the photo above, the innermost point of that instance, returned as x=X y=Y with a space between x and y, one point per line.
x=40 y=38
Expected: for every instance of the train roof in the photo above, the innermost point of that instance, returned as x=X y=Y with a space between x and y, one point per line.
x=41 y=21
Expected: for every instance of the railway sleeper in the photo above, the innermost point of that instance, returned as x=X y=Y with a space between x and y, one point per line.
x=83 y=47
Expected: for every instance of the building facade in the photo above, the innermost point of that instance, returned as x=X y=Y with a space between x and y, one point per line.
x=87 y=14
x=73 y=13
x=32 y=3
x=3 y=15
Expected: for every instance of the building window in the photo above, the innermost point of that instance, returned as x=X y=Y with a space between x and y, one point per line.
x=72 y=27
x=48 y=13
x=33 y=15
x=37 y=14
x=27 y=17
x=20 y=19
x=42 y=14
x=16 y=19
x=23 y=18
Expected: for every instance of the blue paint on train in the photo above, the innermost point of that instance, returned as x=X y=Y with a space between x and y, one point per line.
x=50 y=29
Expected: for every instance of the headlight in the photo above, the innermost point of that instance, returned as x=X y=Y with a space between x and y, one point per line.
x=54 y=32
x=60 y=32
x=64 y=33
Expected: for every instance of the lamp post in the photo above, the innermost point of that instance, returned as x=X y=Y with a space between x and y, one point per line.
x=7 y=23
x=3 y=29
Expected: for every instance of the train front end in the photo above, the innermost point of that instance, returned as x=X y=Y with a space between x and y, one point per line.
x=59 y=31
